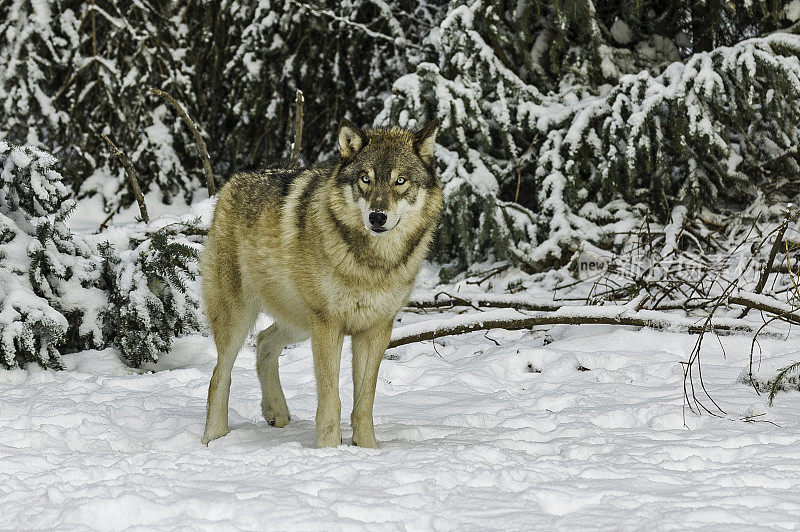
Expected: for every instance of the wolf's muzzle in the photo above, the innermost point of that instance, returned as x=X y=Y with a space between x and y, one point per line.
x=377 y=220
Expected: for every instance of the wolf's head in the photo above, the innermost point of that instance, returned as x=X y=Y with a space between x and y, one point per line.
x=387 y=174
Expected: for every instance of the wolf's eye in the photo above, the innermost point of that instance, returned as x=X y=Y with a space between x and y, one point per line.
x=365 y=179
x=400 y=180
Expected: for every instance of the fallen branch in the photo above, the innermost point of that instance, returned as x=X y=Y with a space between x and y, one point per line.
x=445 y=300
x=201 y=145
x=511 y=319
x=512 y=301
x=298 y=126
x=752 y=300
x=132 y=180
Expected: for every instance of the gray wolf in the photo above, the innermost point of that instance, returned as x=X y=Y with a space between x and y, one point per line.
x=327 y=251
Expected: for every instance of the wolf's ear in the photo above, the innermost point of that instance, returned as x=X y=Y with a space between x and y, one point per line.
x=425 y=140
x=351 y=139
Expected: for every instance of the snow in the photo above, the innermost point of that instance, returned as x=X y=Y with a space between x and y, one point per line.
x=621 y=32
x=558 y=428
x=792 y=10
x=672 y=229
x=84 y=219
x=159 y=137
x=473 y=436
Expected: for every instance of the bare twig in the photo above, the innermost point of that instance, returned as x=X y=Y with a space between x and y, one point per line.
x=791 y=273
x=754 y=342
x=201 y=145
x=486 y=335
x=694 y=361
x=765 y=273
x=298 y=126
x=491 y=273
x=113 y=213
x=132 y=180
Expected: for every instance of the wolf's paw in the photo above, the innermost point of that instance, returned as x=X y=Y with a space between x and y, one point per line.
x=367 y=443
x=276 y=417
x=330 y=437
x=210 y=435
x=363 y=430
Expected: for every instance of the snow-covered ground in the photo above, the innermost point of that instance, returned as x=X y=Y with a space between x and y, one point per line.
x=477 y=436
x=568 y=427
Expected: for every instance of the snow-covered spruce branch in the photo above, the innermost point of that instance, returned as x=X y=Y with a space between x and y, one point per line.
x=652 y=143
x=511 y=319
x=371 y=33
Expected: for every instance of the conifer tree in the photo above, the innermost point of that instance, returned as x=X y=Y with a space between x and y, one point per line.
x=538 y=156
x=62 y=292
x=74 y=70
x=149 y=298
x=47 y=298
x=343 y=56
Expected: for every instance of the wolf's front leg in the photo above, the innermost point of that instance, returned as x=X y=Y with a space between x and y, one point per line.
x=368 y=349
x=326 y=345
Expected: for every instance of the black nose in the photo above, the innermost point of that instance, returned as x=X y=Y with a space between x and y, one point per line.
x=377 y=219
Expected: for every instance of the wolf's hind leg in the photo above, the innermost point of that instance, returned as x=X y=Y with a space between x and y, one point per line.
x=271 y=342
x=230 y=324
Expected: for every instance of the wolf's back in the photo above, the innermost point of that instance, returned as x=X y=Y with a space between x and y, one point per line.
x=248 y=194
x=249 y=203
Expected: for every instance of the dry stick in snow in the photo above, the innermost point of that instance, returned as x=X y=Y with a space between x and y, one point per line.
x=131 y=172
x=201 y=145
x=298 y=126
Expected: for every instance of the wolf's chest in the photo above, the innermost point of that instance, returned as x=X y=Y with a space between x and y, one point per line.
x=359 y=307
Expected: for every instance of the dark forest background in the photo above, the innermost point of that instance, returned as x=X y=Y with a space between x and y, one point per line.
x=567 y=124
